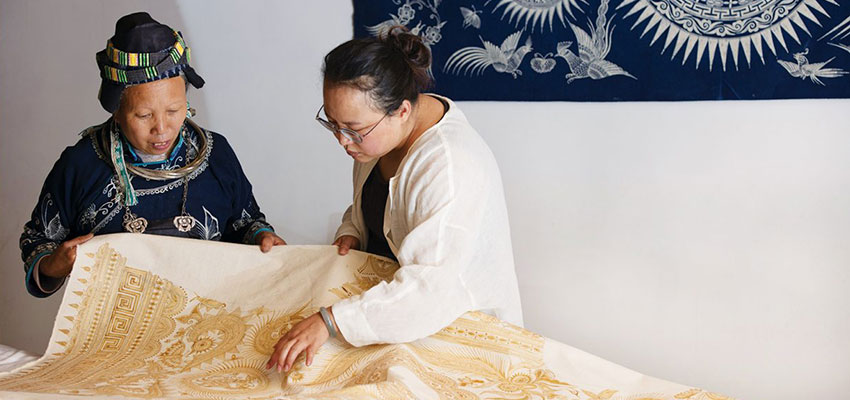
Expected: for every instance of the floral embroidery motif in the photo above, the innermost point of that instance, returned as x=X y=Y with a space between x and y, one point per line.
x=243 y=220
x=209 y=229
x=53 y=230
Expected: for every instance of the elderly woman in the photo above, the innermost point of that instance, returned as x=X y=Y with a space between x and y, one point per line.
x=147 y=169
x=427 y=192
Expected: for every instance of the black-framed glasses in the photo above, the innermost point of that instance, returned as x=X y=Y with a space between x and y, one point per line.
x=349 y=134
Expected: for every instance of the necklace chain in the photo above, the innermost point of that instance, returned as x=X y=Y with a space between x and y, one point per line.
x=183 y=222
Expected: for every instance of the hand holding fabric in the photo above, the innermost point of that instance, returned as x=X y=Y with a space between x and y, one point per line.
x=306 y=336
x=345 y=243
x=269 y=239
x=59 y=263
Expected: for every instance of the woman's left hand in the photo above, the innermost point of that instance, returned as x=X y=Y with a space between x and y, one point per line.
x=267 y=240
x=307 y=335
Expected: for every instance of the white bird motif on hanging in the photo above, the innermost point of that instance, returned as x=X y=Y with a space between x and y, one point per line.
x=801 y=68
x=383 y=27
x=592 y=50
x=505 y=58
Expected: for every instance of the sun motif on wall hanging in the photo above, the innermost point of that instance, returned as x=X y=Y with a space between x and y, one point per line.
x=532 y=12
x=723 y=27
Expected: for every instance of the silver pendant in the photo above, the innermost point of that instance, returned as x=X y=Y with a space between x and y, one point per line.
x=136 y=225
x=184 y=223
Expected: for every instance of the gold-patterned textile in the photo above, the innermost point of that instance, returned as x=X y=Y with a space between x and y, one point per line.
x=147 y=316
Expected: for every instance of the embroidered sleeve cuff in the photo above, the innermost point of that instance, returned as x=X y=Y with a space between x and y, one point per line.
x=255 y=228
x=45 y=283
x=37 y=283
x=352 y=323
x=254 y=236
x=38 y=252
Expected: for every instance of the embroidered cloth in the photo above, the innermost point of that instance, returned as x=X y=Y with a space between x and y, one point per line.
x=147 y=316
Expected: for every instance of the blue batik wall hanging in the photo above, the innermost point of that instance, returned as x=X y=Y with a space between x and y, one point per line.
x=610 y=50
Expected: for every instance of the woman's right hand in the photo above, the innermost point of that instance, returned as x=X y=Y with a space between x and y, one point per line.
x=346 y=242
x=59 y=263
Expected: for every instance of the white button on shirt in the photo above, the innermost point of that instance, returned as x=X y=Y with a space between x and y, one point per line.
x=447 y=223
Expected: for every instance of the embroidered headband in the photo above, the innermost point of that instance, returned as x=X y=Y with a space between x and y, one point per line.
x=152 y=65
x=142 y=50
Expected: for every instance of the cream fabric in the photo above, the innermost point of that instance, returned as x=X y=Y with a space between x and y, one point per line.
x=447 y=223
x=11 y=358
x=147 y=316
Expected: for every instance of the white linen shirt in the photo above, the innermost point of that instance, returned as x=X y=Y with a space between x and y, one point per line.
x=447 y=223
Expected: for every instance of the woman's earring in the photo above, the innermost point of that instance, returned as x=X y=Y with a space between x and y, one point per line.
x=190 y=112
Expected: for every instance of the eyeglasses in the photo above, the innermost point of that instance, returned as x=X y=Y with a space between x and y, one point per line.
x=349 y=134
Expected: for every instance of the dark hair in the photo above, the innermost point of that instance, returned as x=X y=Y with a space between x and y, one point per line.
x=391 y=68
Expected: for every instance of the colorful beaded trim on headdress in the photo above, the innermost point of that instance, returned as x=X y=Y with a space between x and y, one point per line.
x=155 y=64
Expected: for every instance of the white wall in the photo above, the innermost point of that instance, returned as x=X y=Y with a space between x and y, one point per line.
x=705 y=243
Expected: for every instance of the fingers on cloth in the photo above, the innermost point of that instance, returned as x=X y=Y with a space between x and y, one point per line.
x=280 y=360
x=278 y=355
x=294 y=352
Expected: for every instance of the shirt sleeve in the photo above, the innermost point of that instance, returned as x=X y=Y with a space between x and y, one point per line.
x=348 y=226
x=45 y=283
x=428 y=291
x=48 y=227
x=246 y=220
x=249 y=223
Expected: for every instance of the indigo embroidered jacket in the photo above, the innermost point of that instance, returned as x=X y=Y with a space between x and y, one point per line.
x=81 y=195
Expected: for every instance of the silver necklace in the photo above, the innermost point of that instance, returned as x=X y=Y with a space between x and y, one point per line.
x=183 y=222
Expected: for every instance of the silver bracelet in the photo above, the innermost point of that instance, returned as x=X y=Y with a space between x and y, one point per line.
x=326 y=316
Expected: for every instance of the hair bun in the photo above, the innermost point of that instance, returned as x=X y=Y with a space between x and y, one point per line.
x=391 y=67
x=416 y=53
